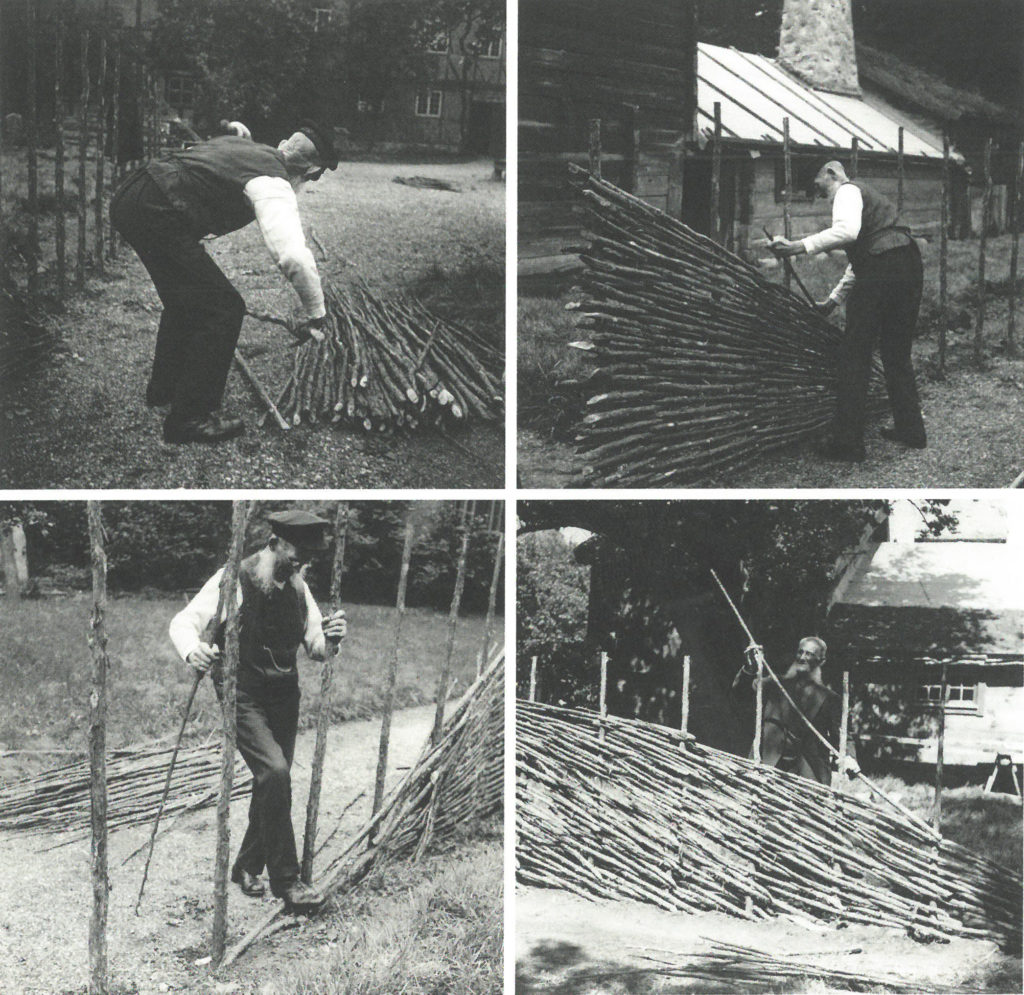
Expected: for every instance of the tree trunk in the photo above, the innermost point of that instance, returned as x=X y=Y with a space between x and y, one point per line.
x=453 y=622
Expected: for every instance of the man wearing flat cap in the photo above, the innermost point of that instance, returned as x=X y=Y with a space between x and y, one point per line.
x=277 y=614
x=882 y=289
x=165 y=208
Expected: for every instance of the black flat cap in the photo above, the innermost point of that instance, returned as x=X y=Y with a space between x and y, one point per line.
x=321 y=138
x=301 y=528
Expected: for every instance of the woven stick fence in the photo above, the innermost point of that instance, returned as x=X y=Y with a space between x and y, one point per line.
x=702 y=362
x=454 y=784
x=387 y=364
x=58 y=799
x=649 y=814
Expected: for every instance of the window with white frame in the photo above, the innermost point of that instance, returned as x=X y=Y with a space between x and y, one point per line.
x=959 y=697
x=428 y=103
x=492 y=50
x=321 y=18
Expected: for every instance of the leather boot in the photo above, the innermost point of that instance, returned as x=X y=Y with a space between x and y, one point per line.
x=204 y=428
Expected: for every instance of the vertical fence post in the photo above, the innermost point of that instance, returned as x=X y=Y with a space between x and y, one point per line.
x=1016 y=205
x=101 y=131
x=392 y=671
x=758 y=708
x=939 y=749
x=844 y=726
x=603 y=703
x=633 y=116
x=229 y=598
x=899 y=173
x=716 y=176
x=31 y=139
x=60 y=231
x=684 y=717
x=854 y=157
x=492 y=600
x=594 y=133
x=986 y=205
x=3 y=227
x=787 y=201
x=115 y=136
x=468 y=513
x=97 y=756
x=944 y=257
x=533 y=678
x=323 y=714
x=83 y=155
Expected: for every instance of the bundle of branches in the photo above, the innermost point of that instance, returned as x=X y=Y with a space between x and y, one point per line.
x=702 y=362
x=456 y=783
x=58 y=799
x=26 y=341
x=619 y=808
x=389 y=363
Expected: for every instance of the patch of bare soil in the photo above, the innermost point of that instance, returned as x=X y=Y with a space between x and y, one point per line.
x=44 y=917
x=573 y=946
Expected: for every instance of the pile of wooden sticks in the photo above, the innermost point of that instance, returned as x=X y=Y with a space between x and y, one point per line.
x=702 y=362
x=58 y=799
x=387 y=364
x=618 y=808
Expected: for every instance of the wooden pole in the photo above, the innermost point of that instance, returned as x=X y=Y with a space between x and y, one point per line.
x=31 y=139
x=844 y=726
x=97 y=756
x=101 y=129
x=603 y=703
x=3 y=227
x=228 y=588
x=468 y=509
x=60 y=229
x=323 y=714
x=684 y=719
x=716 y=176
x=633 y=114
x=939 y=748
x=594 y=129
x=787 y=198
x=392 y=671
x=533 y=678
x=492 y=600
x=899 y=173
x=854 y=154
x=115 y=136
x=944 y=257
x=83 y=155
x=1016 y=212
x=986 y=205
x=758 y=708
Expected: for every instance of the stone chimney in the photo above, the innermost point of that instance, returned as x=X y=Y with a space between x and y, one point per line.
x=816 y=44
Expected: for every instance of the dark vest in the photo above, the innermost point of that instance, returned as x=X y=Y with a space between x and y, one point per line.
x=271 y=626
x=206 y=182
x=880 y=228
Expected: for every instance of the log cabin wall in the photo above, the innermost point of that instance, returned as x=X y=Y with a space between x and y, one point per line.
x=629 y=64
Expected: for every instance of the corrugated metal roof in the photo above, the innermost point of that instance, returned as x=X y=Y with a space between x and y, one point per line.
x=756 y=94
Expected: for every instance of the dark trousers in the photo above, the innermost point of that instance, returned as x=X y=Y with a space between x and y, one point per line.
x=268 y=719
x=202 y=314
x=882 y=308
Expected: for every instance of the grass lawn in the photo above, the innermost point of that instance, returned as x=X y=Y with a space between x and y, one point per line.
x=45 y=668
x=82 y=421
x=973 y=416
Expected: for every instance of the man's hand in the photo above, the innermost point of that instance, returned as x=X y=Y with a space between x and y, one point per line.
x=311 y=328
x=202 y=658
x=335 y=627
x=782 y=247
x=849 y=766
x=826 y=307
x=753 y=653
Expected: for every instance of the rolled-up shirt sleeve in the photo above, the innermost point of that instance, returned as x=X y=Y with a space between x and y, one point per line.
x=842 y=289
x=314 y=639
x=277 y=214
x=188 y=626
x=847 y=209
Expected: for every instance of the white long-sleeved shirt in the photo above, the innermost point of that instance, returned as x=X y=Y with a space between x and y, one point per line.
x=847 y=210
x=188 y=626
x=277 y=214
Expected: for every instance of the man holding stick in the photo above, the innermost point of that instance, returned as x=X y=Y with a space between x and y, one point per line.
x=165 y=208
x=882 y=289
x=786 y=742
x=277 y=614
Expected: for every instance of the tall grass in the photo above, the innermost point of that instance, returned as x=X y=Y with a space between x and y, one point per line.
x=437 y=929
x=45 y=669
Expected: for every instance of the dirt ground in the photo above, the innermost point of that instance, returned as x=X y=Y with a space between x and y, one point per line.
x=82 y=422
x=44 y=918
x=573 y=946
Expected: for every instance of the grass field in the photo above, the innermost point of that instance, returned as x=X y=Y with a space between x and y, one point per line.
x=45 y=670
x=82 y=420
x=973 y=416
